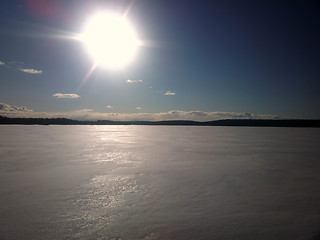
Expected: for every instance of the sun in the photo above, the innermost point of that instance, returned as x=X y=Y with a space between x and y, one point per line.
x=110 y=40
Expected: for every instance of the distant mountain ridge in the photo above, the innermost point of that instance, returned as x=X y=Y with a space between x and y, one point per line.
x=226 y=122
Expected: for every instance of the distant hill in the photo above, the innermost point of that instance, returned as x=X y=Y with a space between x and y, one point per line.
x=227 y=122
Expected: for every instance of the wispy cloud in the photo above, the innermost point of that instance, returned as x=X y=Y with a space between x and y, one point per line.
x=109 y=107
x=138 y=108
x=169 y=93
x=6 y=108
x=89 y=114
x=65 y=95
x=134 y=81
x=21 y=66
x=30 y=70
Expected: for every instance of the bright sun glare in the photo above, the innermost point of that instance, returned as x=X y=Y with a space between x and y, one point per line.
x=110 y=40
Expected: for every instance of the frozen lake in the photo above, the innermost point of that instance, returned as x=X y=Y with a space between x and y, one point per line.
x=159 y=182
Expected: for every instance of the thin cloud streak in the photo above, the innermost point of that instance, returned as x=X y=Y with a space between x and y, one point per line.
x=30 y=70
x=169 y=93
x=134 y=81
x=65 y=95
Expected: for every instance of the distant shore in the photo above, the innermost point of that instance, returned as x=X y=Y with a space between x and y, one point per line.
x=226 y=122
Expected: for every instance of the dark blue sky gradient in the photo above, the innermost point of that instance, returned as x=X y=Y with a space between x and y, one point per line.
x=230 y=56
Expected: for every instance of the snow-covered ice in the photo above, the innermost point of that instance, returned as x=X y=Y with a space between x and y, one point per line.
x=159 y=182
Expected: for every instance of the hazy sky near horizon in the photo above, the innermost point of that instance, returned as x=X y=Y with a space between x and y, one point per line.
x=200 y=60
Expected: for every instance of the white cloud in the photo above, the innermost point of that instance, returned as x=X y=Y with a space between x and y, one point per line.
x=109 y=107
x=138 y=108
x=89 y=114
x=30 y=70
x=169 y=93
x=65 y=95
x=2 y=63
x=8 y=109
x=134 y=81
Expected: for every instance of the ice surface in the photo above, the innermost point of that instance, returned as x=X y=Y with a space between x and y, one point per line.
x=159 y=182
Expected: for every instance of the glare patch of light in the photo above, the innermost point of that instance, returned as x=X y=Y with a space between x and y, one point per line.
x=110 y=40
x=93 y=67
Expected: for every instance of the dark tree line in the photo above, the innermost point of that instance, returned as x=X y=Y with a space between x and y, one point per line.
x=227 y=122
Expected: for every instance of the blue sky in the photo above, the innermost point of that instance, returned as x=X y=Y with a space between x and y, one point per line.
x=202 y=60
